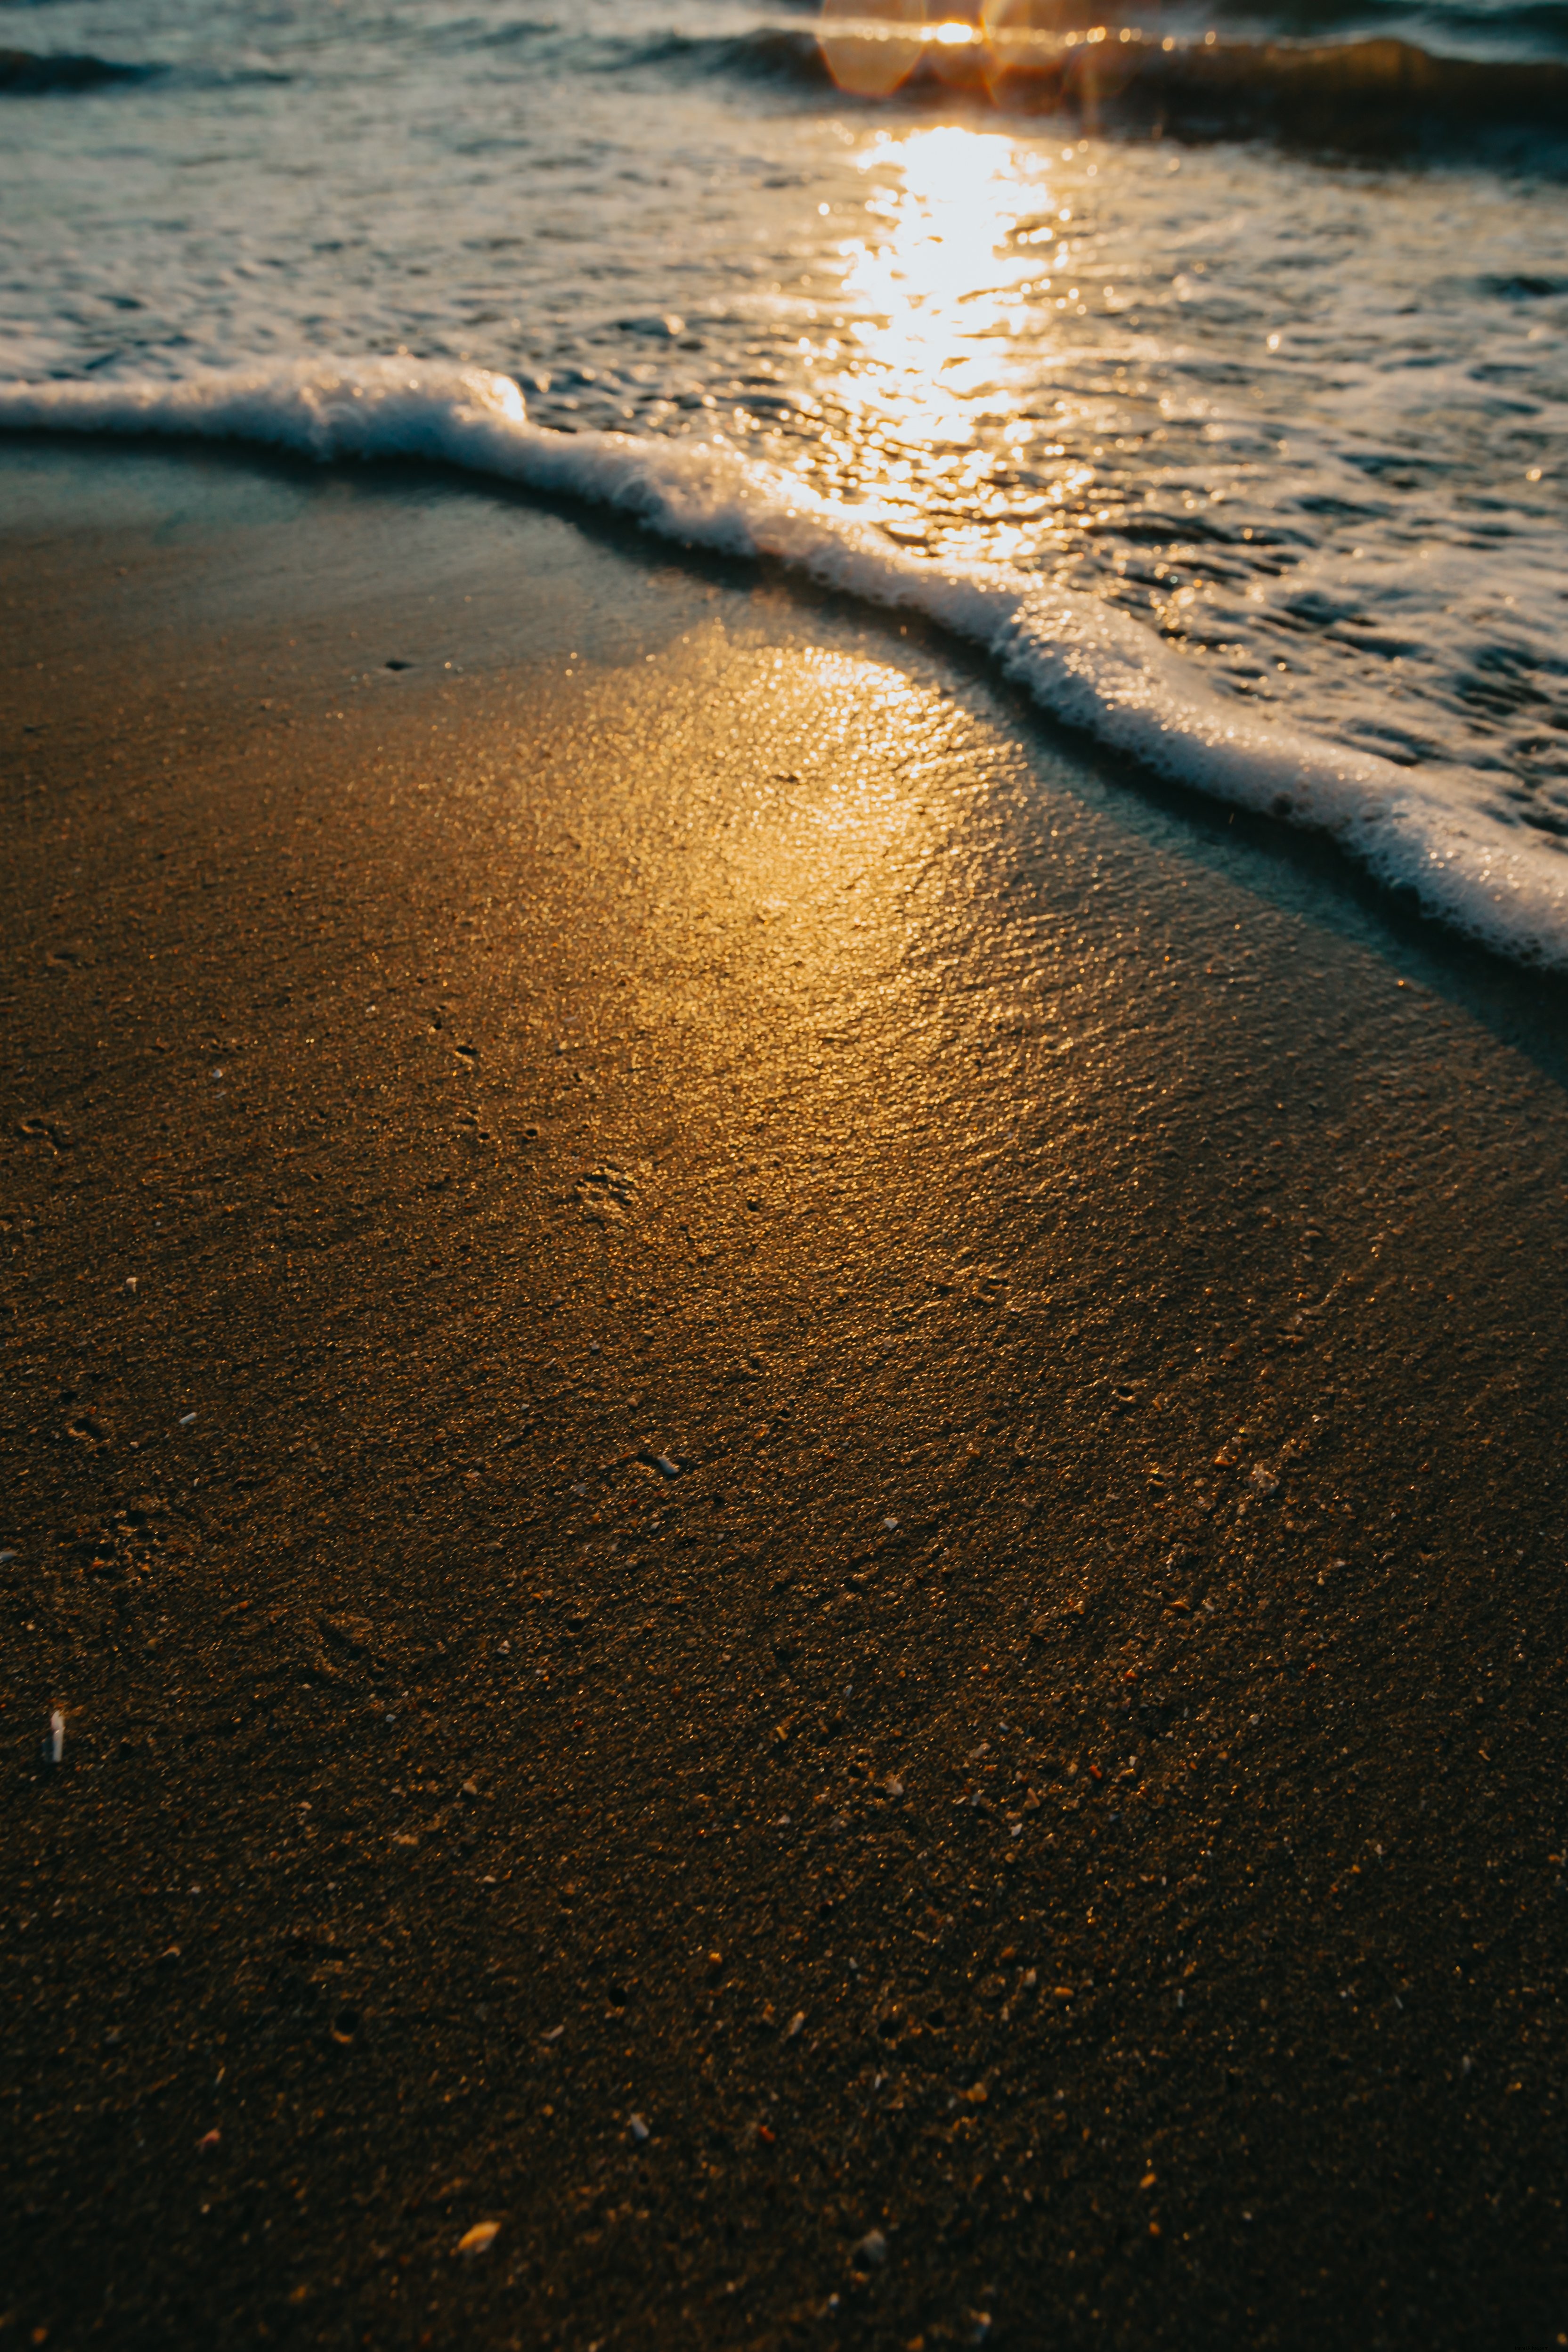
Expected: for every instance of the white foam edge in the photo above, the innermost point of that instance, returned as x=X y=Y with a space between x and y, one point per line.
x=1080 y=660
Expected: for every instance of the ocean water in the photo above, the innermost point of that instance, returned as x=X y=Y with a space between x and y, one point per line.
x=1209 y=368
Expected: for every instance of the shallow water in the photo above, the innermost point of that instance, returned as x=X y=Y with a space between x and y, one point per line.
x=1245 y=453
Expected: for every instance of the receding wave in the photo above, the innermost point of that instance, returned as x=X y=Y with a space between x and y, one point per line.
x=23 y=74
x=1087 y=663
x=1371 y=95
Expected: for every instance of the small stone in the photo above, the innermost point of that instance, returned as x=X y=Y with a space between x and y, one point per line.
x=873 y=2248
x=479 y=2239
x=796 y=2023
x=638 y=2128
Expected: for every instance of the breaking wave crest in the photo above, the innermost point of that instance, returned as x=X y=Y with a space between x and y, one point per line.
x=1081 y=661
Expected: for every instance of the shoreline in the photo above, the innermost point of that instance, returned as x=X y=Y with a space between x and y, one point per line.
x=1099 y=1294
x=1292 y=866
x=1083 y=662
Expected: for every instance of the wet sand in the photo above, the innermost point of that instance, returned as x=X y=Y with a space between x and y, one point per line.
x=792 y=1473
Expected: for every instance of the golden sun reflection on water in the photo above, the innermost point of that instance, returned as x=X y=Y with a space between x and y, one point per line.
x=942 y=286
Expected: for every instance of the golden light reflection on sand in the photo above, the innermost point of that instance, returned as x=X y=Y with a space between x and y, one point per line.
x=824 y=848
x=858 y=835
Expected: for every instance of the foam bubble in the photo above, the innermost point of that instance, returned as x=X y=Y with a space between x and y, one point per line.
x=1082 y=661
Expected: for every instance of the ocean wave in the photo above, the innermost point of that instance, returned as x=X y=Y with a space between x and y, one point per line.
x=1378 y=94
x=783 y=54
x=25 y=74
x=1525 y=29
x=1536 y=21
x=1374 y=96
x=1362 y=94
x=1081 y=660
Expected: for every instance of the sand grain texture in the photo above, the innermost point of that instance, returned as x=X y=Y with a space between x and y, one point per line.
x=866 y=1597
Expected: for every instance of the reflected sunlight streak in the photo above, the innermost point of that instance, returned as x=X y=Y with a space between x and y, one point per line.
x=939 y=297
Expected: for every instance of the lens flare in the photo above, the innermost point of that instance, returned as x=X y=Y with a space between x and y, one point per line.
x=1062 y=50
x=1040 y=53
x=872 y=46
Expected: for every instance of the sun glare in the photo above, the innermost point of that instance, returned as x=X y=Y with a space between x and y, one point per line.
x=936 y=283
x=872 y=47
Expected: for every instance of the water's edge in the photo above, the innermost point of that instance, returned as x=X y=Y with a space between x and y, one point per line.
x=1078 y=658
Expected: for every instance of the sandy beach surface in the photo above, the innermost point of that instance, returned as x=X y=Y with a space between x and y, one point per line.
x=790 y=1473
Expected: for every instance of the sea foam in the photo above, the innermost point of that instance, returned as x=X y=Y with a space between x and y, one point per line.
x=1081 y=660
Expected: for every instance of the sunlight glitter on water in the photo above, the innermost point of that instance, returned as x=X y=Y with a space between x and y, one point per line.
x=922 y=402
x=933 y=292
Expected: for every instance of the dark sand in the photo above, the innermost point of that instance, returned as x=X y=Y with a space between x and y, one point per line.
x=1099 y=1275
